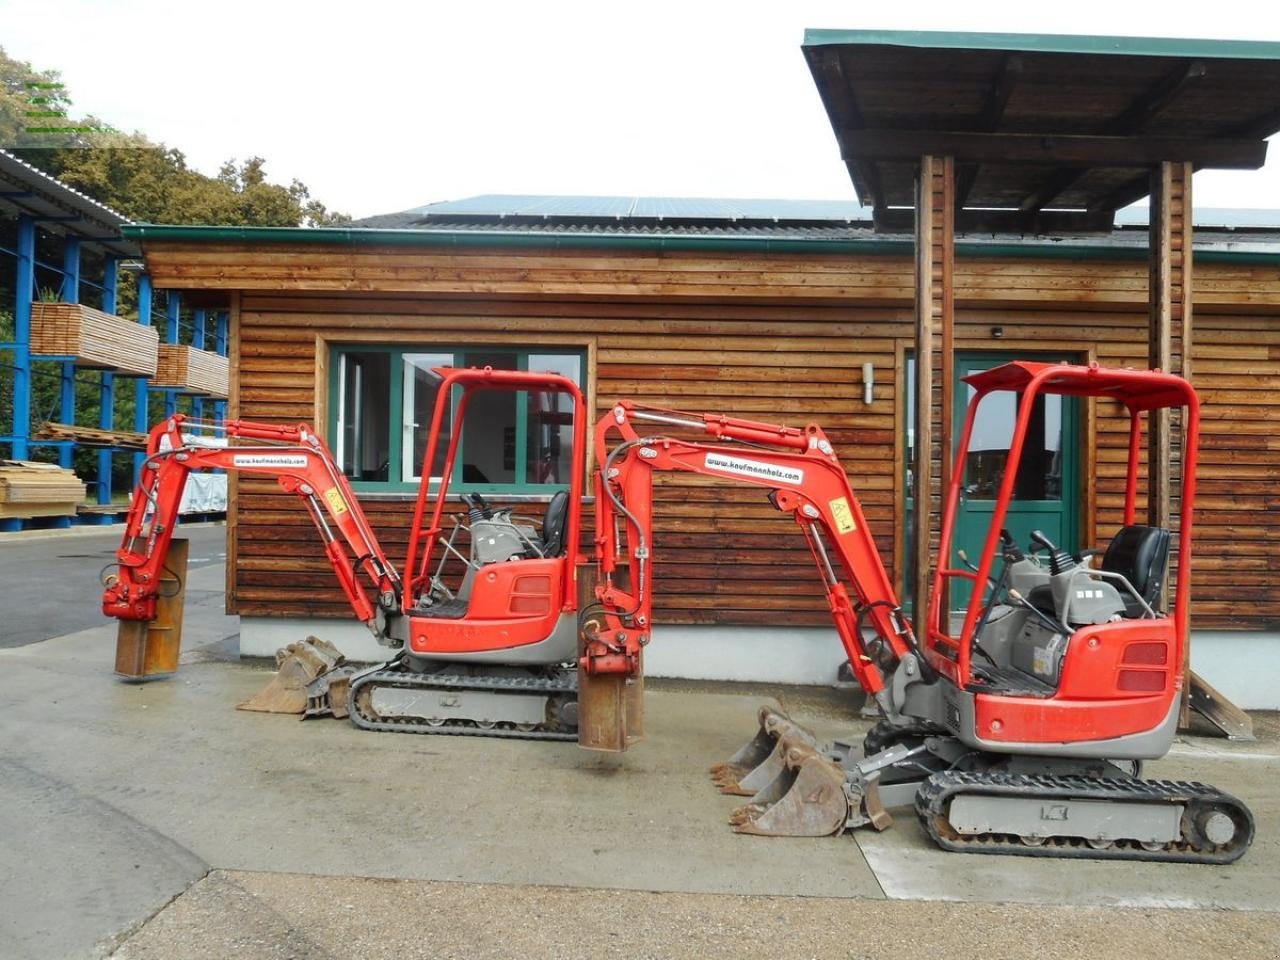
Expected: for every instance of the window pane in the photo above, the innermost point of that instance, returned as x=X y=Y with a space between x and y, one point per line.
x=489 y=433
x=1040 y=472
x=550 y=422
x=421 y=389
x=364 y=416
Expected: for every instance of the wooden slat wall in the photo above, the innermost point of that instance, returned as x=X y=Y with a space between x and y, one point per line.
x=776 y=337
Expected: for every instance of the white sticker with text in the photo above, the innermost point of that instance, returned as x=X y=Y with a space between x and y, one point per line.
x=754 y=468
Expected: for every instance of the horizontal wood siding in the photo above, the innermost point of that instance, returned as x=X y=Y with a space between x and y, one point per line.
x=774 y=337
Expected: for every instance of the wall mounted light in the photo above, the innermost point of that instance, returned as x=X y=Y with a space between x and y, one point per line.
x=997 y=332
x=868 y=382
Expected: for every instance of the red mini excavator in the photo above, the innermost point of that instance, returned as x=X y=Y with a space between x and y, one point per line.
x=1018 y=729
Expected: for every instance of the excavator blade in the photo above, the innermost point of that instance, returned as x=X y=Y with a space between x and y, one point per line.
x=298 y=666
x=758 y=762
x=806 y=799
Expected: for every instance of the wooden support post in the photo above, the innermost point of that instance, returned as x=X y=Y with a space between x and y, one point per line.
x=934 y=320
x=610 y=707
x=148 y=651
x=1170 y=343
x=1160 y=340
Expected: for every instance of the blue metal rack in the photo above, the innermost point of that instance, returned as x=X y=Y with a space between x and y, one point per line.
x=78 y=222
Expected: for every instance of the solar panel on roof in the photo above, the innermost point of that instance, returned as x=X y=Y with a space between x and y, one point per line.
x=710 y=209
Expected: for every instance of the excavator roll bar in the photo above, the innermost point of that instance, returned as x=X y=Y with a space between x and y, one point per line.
x=301 y=463
x=804 y=477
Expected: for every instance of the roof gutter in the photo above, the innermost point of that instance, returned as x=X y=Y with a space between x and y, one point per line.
x=361 y=237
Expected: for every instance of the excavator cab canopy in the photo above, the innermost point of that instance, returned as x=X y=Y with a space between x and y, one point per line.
x=461 y=385
x=1138 y=392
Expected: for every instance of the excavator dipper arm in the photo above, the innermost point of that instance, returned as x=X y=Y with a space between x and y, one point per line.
x=804 y=478
x=299 y=461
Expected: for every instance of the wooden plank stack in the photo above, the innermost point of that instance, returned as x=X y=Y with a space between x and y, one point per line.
x=92 y=436
x=38 y=490
x=192 y=371
x=94 y=338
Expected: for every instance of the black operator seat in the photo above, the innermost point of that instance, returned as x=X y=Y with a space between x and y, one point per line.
x=553 y=524
x=1140 y=554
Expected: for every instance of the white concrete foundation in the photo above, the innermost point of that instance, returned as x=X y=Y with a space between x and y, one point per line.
x=1244 y=666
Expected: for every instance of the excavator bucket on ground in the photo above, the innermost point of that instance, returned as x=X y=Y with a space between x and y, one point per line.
x=760 y=761
x=299 y=667
x=806 y=798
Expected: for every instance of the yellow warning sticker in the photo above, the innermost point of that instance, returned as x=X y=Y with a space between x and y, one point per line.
x=336 y=503
x=843 y=515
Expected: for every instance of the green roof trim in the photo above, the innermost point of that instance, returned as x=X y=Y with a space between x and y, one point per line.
x=877 y=246
x=1049 y=43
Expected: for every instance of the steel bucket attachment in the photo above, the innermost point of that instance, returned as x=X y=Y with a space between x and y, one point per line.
x=757 y=763
x=297 y=666
x=806 y=799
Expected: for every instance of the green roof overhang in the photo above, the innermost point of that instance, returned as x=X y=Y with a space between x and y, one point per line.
x=1049 y=43
x=528 y=240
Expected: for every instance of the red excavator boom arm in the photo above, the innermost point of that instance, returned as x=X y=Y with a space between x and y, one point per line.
x=805 y=479
x=299 y=461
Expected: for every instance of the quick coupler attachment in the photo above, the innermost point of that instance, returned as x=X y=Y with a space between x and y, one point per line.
x=760 y=761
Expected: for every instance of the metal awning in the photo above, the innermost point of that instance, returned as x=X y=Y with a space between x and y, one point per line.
x=1048 y=132
x=60 y=208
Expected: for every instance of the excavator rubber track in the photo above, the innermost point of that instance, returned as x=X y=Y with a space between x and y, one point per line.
x=359 y=703
x=1207 y=815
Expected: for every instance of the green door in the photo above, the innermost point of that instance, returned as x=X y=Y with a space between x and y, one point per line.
x=1046 y=492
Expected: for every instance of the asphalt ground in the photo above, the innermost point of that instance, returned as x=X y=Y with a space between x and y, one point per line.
x=50 y=581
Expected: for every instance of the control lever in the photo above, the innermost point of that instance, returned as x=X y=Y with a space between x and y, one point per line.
x=1059 y=560
x=1011 y=549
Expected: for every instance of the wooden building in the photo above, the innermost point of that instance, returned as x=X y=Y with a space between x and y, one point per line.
x=787 y=312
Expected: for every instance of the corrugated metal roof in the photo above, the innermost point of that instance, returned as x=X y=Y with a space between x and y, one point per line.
x=676 y=215
x=65 y=210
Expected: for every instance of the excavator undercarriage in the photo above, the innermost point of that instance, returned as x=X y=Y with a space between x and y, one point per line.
x=975 y=802
x=1015 y=725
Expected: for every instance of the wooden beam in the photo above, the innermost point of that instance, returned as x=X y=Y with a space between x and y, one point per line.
x=1084 y=150
x=844 y=111
x=922 y=455
x=1159 y=340
x=934 y=312
x=1139 y=113
x=1002 y=86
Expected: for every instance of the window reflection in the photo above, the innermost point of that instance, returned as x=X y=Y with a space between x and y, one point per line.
x=1040 y=471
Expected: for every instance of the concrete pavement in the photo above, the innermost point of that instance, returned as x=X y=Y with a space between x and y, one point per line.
x=116 y=798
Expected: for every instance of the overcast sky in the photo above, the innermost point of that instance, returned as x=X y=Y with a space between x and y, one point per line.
x=380 y=106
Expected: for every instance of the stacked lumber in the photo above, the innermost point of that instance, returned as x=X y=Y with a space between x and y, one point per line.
x=38 y=490
x=92 y=436
x=93 y=338
x=192 y=371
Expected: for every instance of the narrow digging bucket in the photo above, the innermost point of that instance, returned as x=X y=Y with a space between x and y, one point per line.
x=297 y=666
x=806 y=798
x=760 y=760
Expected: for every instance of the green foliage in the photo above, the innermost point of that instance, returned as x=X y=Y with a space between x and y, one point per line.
x=147 y=182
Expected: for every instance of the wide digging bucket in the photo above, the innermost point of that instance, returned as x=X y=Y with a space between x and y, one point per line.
x=758 y=762
x=806 y=799
x=297 y=666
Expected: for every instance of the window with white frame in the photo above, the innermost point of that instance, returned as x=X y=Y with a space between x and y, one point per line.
x=385 y=399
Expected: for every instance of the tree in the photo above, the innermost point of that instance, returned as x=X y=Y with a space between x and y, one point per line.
x=146 y=181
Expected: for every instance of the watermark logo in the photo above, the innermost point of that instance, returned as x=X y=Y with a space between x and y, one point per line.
x=45 y=121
